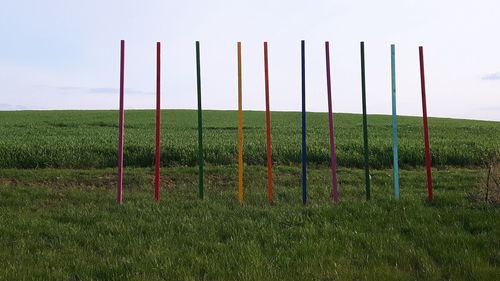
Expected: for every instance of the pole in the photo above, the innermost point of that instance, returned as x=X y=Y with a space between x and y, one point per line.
x=201 y=188
x=304 y=146
x=119 y=193
x=365 y=125
x=426 y=128
x=333 y=161
x=240 y=129
x=394 y=124
x=268 y=130
x=158 y=121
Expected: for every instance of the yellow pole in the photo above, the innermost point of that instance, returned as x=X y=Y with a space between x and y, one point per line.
x=240 y=129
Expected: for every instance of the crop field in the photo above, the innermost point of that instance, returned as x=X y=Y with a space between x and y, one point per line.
x=59 y=219
x=88 y=139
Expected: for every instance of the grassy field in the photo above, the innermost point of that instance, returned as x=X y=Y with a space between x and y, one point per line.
x=59 y=224
x=88 y=139
x=59 y=220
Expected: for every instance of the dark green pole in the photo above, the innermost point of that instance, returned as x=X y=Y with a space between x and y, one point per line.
x=365 y=126
x=200 y=133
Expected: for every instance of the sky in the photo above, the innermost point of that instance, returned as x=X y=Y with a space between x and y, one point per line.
x=65 y=54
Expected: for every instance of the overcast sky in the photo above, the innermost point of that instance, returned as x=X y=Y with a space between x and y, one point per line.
x=65 y=54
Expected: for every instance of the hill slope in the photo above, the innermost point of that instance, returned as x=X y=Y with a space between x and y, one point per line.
x=88 y=139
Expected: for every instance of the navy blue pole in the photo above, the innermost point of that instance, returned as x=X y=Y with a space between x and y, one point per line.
x=304 y=152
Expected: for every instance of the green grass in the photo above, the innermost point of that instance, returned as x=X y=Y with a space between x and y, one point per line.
x=59 y=220
x=88 y=139
x=60 y=224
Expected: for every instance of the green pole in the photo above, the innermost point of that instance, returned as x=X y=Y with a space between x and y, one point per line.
x=200 y=133
x=365 y=126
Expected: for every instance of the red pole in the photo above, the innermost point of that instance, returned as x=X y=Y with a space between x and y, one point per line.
x=426 y=128
x=268 y=130
x=158 y=120
x=119 y=194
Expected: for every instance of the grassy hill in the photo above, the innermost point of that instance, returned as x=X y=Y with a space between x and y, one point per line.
x=60 y=221
x=88 y=139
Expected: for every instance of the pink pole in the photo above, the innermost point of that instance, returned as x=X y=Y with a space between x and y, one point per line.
x=333 y=161
x=119 y=193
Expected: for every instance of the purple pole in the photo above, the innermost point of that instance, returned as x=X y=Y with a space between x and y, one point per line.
x=333 y=161
x=119 y=193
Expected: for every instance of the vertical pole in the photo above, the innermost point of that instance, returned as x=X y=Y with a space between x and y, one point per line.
x=268 y=129
x=158 y=122
x=304 y=146
x=333 y=161
x=119 y=193
x=394 y=124
x=426 y=128
x=201 y=188
x=240 y=129
x=365 y=125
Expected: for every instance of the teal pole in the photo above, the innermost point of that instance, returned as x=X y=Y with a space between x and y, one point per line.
x=394 y=124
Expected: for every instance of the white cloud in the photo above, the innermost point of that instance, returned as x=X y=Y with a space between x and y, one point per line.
x=491 y=76
x=81 y=48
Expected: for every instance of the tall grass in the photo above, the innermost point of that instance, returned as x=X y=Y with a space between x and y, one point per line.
x=63 y=224
x=88 y=139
